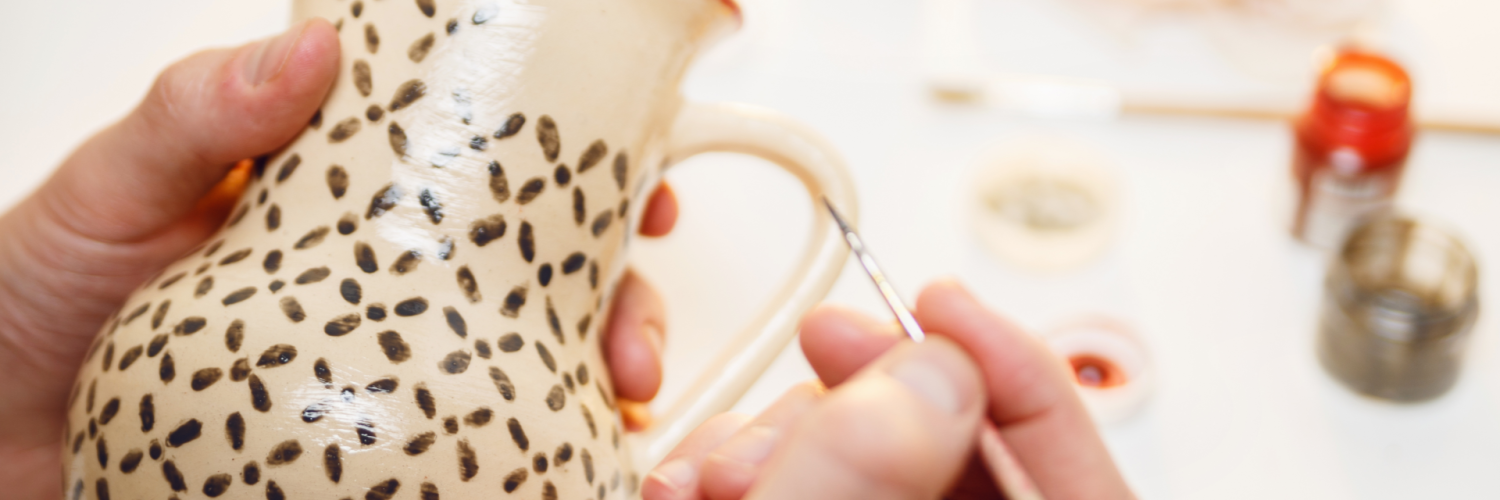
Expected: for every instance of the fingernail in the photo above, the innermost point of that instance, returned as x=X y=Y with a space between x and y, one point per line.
x=674 y=475
x=921 y=372
x=748 y=448
x=268 y=57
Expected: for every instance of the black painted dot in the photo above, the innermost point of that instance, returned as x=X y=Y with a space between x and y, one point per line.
x=272 y=263
x=234 y=429
x=234 y=336
x=131 y=461
x=274 y=492
x=154 y=450
x=259 y=398
x=89 y=406
x=407 y=93
x=362 y=78
x=273 y=217
x=157 y=344
x=527 y=242
x=185 y=433
x=101 y=451
x=240 y=370
x=364 y=256
x=292 y=309
x=148 y=414
x=419 y=49
x=621 y=168
x=284 y=453
x=553 y=323
x=313 y=275
x=383 y=490
x=365 y=429
x=174 y=476
x=101 y=489
x=427 y=7
x=411 y=307
x=445 y=248
x=376 y=312
x=189 y=326
x=171 y=281
x=511 y=127
x=251 y=473
x=206 y=377
x=356 y=9
x=372 y=38
x=562 y=175
x=239 y=215
x=588 y=464
x=468 y=284
x=333 y=463
x=348 y=224
x=513 y=302
x=138 y=312
x=374 y=113
x=479 y=143
x=315 y=412
x=420 y=444
x=482 y=348
x=455 y=362
x=312 y=238
x=277 y=355
x=238 y=296
x=203 y=287
x=511 y=342
x=109 y=411
x=531 y=189
x=544 y=274
x=556 y=398
x=601 y=222
x=383 y=386
x=160 y=314
x=450 y=425
x=406 y=262
x=237 y=256
x=488 y=229
x=130 y=356
x=593 y=275
x=546 y=355
x=499 y=184
x=539 y=463
x=397 y=139
x=573 y=263
x=579 y=207
x=548 y=137
x=287 y=168
x=502 y=383
x=518 y=434
x=583 y=326
x=429 y=491
x=468 y=463
x=563 y=454
x=383 y=201
x=338 y=181
x=514 y=480
x=394 y=348
x=323 y=373
x=431 y=206
x=342 y=325
x=480 y=417
x=588 y=418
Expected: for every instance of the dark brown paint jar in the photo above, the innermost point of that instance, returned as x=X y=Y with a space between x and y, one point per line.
x=1399 y=302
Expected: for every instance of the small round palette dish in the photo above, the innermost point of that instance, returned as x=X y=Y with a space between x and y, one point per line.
x=1046 y=205
x=1111 y=366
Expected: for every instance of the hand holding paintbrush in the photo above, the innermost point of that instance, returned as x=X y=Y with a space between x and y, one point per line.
x=900 y=419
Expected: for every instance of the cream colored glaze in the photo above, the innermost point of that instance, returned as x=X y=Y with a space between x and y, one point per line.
x=605 y=72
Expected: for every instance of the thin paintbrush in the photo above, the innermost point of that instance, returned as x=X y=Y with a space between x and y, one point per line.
x=1004 y=470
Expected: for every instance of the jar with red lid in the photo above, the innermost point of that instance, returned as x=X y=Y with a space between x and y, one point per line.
x=1351 y=145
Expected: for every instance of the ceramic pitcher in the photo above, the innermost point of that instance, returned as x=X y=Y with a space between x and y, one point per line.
x=407 y=301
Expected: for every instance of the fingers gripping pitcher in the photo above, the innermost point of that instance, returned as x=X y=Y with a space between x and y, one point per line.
x=408 y=300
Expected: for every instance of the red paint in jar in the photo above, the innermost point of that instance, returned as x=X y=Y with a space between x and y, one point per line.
x=1096 y=372
x=1351 y=145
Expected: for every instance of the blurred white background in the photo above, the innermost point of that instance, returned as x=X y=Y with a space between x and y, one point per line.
x=1202 y=266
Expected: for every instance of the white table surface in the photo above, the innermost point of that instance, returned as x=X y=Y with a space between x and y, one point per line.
x=1202 y=267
